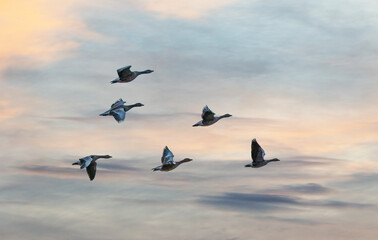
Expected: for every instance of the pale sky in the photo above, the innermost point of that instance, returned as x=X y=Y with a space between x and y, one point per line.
x=300 y=76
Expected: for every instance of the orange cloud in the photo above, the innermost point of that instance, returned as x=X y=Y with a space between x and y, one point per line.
x=6 y=111
x=35 y=33
x=184 y=9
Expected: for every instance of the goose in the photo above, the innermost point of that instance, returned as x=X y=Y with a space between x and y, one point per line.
x=208 y=117
x=167 y=161
x=126 y=75
x=89 y=162
x=118 y=110
x=257 y=154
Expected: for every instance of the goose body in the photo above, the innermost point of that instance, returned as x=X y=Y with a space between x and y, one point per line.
x=89 y=162
x=118 y=110
x=257 y=154
x=167 y=161
x=126 y=75
x=208 y=117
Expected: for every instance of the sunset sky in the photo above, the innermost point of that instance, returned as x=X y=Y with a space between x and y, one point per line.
x=299 y=76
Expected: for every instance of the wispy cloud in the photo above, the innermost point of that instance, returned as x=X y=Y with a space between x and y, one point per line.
x=105 y=170
x=270 y=202
x=307 y=189
x=182 y=9
x=38 y=33
x=297 y=75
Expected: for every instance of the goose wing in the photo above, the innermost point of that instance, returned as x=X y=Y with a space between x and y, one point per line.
x=119 y=114
x=167 y=157
x=85 y=161
x=91 y=170
x=124 y=72
x=207 y=114
x=257 y=153
x=118 y=103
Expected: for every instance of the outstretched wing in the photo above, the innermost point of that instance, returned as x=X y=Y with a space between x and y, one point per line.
x=167 y=157
x=257 y=153
x=91 y=170
x=118 y=103
x=207 y=114
x=124 y=72
x=119 y=114
x=85 y=161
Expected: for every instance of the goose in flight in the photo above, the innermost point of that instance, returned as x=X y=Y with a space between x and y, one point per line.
x=89 y=162
x=208 y=117
x=257 y=154
x=118 y=110
x=167 y=161
x=126 y=75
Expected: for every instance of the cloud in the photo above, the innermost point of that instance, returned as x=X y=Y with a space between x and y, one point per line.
x=308 y=189
x=359 y=183
x=38 y=33
x=270 y=202
x=8 y=111
x=106 y=170
x=302 y=221
x=16 y=103
x=36 y=226
x=182 y=9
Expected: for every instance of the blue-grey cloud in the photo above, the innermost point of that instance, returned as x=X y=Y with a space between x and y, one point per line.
x=270 y=202
x=270 y=64
x=72 y=171
x=302 y=221
x=309 y=188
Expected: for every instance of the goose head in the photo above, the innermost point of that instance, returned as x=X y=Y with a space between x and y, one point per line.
x=227 y=115
x=138 y=105
x=148 y=71
x=186 y=160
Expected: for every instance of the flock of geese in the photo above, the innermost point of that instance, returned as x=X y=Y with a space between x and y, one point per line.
x=118 y=111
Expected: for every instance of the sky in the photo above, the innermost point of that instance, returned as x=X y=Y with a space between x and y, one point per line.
x=299 y=76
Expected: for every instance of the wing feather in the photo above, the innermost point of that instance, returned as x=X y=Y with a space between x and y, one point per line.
x=85 y=161
x=119 y=114
x=118 y=103
x=124 y=72
x=257 y=153
x=91 y=170
x=167 y=157
x=207 y=114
